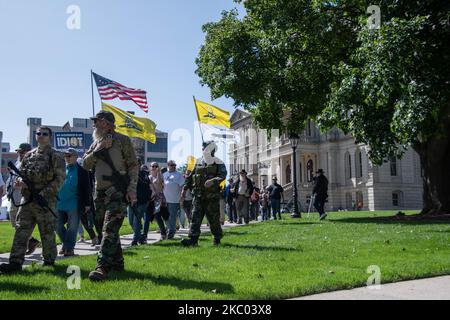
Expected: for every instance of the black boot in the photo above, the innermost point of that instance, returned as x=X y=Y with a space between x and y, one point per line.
x=190 y=242
x=99 y=274
x=10 y=267
x=216 y=241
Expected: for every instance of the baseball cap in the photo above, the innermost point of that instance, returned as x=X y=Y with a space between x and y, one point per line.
x=24 y=147
x=106 y=115
x=72 y=151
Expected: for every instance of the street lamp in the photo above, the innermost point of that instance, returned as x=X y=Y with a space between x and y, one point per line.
x=295 y=139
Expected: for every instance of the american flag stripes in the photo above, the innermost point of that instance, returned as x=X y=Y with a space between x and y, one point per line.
x=109 y=90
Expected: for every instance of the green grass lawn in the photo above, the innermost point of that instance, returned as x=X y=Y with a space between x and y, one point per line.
x=269 y=260
x=7 y=234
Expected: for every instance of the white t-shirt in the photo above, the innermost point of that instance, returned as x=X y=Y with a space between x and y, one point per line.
x=173 y=183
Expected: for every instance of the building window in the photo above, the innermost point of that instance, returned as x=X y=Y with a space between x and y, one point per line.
x=301 y=172
x=348 y=166
x=159 y=146
x=393 y=162
x=397 y=198
x=358 y=163
x=395 y=201
x=288 y=174
x=310 y=170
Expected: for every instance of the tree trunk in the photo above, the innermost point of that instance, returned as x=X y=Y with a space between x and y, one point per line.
x=435 y=160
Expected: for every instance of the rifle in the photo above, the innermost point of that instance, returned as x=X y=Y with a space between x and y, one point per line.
x=34 y=193
x=122 y=181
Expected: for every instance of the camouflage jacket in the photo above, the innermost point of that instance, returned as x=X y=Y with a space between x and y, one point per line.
x=46 y=169
x=202 y=172
x=122 y=155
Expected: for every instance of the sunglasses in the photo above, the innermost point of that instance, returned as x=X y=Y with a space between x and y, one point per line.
x=68 y=156
x=44 y=134
x=172 y=165
x=154 y=166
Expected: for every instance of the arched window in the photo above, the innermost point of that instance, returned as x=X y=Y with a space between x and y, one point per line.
x=348 y=165
x=288 y=174
x=310 y=170
x=358 y=163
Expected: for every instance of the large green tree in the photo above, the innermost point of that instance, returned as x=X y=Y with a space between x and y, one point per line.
x=389 y=86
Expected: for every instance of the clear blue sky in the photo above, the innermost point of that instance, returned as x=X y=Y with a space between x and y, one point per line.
x=146 y=44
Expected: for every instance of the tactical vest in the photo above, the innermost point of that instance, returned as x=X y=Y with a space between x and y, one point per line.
x=38 y=168
x=202 y=173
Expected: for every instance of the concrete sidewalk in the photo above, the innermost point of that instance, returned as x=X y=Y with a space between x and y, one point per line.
x=437 y=288
x=85 y=249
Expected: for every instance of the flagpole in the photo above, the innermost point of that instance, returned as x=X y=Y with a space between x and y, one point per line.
x=198 y=117
x=92 y=91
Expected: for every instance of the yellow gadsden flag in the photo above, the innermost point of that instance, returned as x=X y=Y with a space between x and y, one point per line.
x=191 y=163
x=210 y=114
x=132 y=126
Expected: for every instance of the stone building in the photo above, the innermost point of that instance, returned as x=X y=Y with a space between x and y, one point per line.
x=353 y=178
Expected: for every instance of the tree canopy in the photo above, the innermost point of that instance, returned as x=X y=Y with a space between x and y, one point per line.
x=318 y=59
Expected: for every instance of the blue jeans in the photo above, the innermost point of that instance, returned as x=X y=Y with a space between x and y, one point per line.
x=265 y=215
x=147 y=221
x=174 y=211
x=68 y=235
x=135 y=218
x=275 y=204
x=231 y=209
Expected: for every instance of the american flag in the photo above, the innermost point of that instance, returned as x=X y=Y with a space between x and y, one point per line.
x=109 y=90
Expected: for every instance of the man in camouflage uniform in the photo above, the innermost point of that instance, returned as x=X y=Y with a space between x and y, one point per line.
x=45 y=168
x=204 y=182
x=116 y=172
x=15 y=195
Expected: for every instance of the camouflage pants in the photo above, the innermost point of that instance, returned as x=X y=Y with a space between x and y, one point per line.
x=27 y=218
x=113 y=210
x=13 y=215
x=209 y=207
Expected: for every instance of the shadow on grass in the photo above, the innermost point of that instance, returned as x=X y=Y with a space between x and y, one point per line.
x=21 y=288
x=235 y=232
x=181 y=284
x=60 y=271
x=300 y=223
x=260 y=248
x=390 y=220
x=205 y=243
